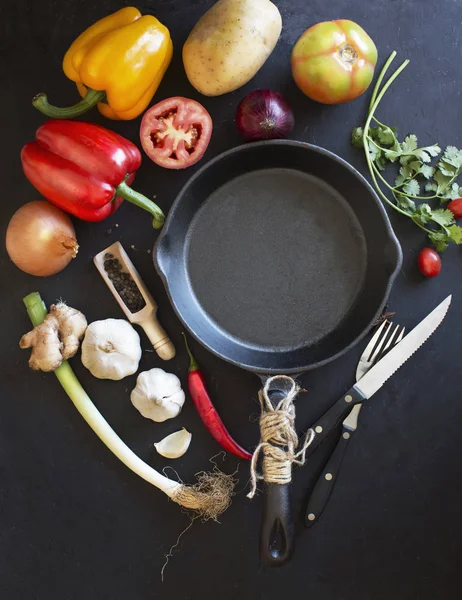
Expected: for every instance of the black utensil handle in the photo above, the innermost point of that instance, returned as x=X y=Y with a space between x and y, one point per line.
x=277 y=527
x=330 y=419
x=325 y=484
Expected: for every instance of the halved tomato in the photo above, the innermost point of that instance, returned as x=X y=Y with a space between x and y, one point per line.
x=175 y=133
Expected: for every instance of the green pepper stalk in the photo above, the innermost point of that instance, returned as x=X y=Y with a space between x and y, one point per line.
x=93 y=97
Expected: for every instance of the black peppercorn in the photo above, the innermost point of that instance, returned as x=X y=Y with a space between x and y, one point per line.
x=124 y=284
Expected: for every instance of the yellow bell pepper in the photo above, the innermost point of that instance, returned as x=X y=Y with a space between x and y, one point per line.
x=117 y=63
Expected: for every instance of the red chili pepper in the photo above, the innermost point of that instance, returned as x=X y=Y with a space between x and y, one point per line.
x=85 y=169
x=207 y=412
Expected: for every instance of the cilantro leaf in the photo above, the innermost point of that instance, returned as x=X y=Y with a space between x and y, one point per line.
x=440 y=239
x=427 y=171
x=447 y=170
x=357 y=137
x=374 y=151
x=433 y=150
x=415 y=165
x=431 y=187
x=381 y=163
x=455 y=191
x=411 y=188
x=406 y=171
x=453 y=156
x=399 y=180
x=386 y=136
x=456 y=234
x=392 y=155
x=405 y=203
x=424 y=156
x=443 y=217
x=422 y=214
x=442 y=181
x=405 y=159
x=452 y=193
x=409 y=144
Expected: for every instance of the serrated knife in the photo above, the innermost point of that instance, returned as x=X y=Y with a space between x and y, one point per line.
x=374 y=379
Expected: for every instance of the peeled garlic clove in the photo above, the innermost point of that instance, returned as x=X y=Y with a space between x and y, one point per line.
x=175 y=444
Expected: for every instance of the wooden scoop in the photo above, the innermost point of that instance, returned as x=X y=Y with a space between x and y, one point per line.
x=146 y=317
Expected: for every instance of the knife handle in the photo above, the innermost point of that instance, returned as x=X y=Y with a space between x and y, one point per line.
x=330 y=419
x=325 y=484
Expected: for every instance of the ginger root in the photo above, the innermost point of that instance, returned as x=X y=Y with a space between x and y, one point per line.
x=56 y=339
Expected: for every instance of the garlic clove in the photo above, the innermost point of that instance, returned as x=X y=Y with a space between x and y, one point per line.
x=175 y=444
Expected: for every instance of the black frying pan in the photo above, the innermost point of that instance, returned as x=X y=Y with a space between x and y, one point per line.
x=277 y=256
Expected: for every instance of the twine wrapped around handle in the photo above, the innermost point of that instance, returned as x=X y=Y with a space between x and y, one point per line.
x=278 y=438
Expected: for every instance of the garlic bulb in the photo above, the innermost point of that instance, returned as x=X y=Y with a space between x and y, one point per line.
x=175 y=444
x=111 y=349
x=158 y=395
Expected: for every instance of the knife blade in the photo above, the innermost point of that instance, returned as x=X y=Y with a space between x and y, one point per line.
x=374 y=379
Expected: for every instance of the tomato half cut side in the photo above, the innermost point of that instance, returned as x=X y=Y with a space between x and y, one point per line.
x=175 y=133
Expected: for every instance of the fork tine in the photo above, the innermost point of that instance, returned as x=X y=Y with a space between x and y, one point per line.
x=371 y=345
x=391 y=341
x=378 y=350
x=401 y=335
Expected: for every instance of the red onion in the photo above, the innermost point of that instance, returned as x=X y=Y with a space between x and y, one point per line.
x=264 y=115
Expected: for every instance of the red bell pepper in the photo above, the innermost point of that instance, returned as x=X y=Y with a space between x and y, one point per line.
x=85 y=169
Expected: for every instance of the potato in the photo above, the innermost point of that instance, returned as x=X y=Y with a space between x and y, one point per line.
x=230 y=43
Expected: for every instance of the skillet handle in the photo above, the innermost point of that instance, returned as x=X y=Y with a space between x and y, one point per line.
x=161 y=255
x=277 y=527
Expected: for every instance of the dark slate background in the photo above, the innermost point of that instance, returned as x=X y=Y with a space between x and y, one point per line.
x=74 y=522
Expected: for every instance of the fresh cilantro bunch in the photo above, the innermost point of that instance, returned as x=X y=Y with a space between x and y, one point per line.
x=416 y=171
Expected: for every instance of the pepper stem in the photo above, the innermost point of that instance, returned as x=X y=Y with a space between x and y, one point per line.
x=125 y=191
x=193 y=366
x=91 y=99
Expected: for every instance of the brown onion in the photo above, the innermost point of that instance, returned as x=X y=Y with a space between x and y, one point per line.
x=40 y=239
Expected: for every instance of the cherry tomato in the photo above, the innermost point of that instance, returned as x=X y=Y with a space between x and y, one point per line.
x=455 y=206
x=429 y=262
x=333 y=62
x=175 y=133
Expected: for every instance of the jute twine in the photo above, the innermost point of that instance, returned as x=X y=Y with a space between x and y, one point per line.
x=278 y=438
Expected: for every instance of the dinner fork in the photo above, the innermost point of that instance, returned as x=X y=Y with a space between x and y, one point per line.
x=383 y=340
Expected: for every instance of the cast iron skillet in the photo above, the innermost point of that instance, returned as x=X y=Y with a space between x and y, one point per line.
x=278 y=257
